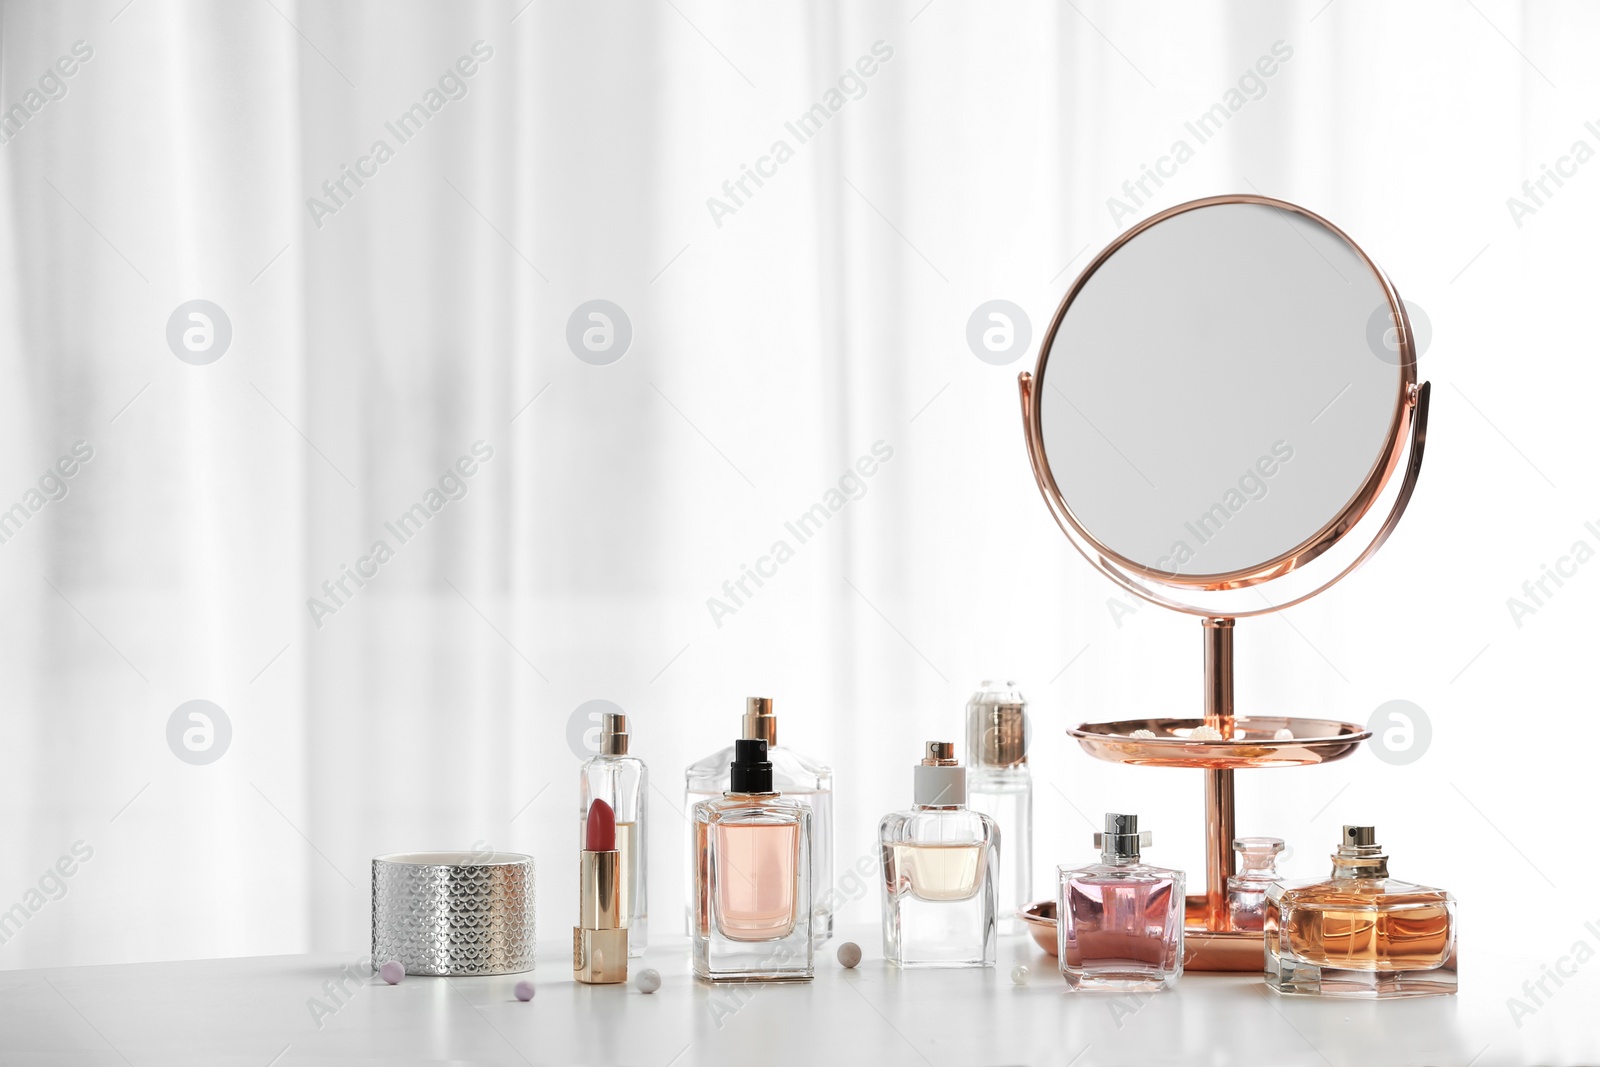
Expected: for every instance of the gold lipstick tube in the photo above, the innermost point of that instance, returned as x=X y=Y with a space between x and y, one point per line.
x=599 y=941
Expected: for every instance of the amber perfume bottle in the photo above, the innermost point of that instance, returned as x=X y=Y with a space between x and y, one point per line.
x=1361 y=933
x=622 y=782
x=1247 y=890
x=940 y=867
x=797 y=777
x=1120 y=921
x=752 y=877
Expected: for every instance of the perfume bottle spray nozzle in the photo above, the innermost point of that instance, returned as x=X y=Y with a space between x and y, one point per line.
x=760 y=721
x=1122 y=840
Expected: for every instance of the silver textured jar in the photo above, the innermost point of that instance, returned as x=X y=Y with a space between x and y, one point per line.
x=453 y=913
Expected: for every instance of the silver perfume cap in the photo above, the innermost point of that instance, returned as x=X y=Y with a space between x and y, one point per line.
x=1360 y=854
x=613 y=734
x=940 y=781
x=1121 y=840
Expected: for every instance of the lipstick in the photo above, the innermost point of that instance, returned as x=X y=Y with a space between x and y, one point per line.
x=600 y=941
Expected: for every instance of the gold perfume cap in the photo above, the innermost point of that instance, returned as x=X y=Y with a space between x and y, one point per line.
x=939 y=754
x=760 y=723
x=613 y=734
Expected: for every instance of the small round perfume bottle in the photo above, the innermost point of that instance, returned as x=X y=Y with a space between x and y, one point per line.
x=1247 y=890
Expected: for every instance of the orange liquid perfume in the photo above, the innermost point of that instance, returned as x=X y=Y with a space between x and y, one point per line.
x=1361 y=933
x=752 y=877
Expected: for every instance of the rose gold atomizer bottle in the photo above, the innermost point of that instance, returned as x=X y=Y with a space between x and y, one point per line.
x=600 y=940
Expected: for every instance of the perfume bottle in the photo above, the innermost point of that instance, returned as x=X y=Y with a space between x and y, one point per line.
x=1000 y=785
x=940 y=862
x=1120 y=922
x=797 y=778
x=623 y=783
x=1361 y=933
x=752 y=876
x=1247 y=890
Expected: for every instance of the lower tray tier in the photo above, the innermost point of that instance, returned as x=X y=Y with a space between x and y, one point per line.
x=1203 y=950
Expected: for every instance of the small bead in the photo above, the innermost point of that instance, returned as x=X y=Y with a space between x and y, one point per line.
x=849 y=954
x=523 y=990
x=1019 y=975
x=649 y=980
x=393 y=971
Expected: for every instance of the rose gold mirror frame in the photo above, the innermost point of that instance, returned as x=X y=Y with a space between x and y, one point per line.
x=1408 y=426
x=1213 y=943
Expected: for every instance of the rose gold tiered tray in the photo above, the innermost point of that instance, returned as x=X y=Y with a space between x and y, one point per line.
x=1218 y=744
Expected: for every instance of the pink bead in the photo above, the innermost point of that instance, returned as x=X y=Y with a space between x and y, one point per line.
x=393 y=971
x=524 y=990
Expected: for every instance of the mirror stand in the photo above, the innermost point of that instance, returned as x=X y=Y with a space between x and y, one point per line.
x=1218 y=635
x=1162 y=330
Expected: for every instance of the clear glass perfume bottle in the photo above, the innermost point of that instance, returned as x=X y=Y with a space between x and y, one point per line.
x=796 y=777
x=1361 y=933
x=940 y=862
x=1120 y=922
x=1247 y=890
x=1000 y=785
x=752 y=877
x=622 y=782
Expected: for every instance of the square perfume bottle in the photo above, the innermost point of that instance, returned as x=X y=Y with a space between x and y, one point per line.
x=1119 y=922
x=1361 y=933
x=752 y=867
x=798 y=777
x=940 y=867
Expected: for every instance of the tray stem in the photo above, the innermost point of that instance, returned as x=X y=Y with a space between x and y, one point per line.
x=1218 y=635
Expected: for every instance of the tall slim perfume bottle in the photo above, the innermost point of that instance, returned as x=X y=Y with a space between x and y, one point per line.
x=1120 y=922
x=1000 y=785
x=1361 y=933
x=623 y=783
x=752 y=877
x=940 y=861
x=797 y=777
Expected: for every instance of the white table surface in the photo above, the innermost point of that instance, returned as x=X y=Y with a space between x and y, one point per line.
x=255 y=1012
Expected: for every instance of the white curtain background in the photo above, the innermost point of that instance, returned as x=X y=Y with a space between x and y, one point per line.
x=771 y=348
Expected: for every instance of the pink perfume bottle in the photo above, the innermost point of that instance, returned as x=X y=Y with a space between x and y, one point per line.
x=752 y=877
x=1120 y=922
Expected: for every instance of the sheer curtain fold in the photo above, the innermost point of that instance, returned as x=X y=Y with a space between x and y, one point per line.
x=400 y=531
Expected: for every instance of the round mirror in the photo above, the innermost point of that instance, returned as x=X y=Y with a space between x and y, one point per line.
x=1220 y=400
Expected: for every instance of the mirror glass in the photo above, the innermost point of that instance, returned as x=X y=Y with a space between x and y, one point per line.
x=1220 y=389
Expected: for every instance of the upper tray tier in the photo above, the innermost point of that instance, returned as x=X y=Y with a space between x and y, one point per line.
x=1256 y=742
